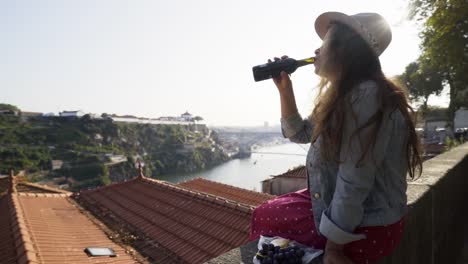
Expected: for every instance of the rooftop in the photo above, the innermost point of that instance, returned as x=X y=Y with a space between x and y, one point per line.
x=227 y=191
x=171 y=224
x=141 y=220
x=47 y=227
x=25 y=187
x=299 y=172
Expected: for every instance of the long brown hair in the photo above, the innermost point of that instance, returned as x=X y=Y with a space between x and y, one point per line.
x=354 y=62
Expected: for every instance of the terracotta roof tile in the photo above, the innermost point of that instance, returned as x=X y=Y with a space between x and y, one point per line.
x=50 y=228
x=227 y=191
x=173 y=224
x=4 y=184
x=299 y=172
x=37 y=188
x=23 y=186
x=7 y=240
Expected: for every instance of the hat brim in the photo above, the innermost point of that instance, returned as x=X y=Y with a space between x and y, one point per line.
x=322 y=23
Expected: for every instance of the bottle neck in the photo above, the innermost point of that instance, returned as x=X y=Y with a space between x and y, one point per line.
x=305 y=61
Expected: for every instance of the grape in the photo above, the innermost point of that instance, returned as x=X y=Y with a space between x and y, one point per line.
x=280 y=256
x=277 y=248
x=265 y=247
x=270 y=254
x=271 y=247
x=300 y=253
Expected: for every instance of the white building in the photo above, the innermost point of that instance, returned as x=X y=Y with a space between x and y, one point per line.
x=290 y=181
x=461 y=118
x=78 y=113
x=186 y=116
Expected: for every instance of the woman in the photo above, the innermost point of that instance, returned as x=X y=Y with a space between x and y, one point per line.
x=363 y=144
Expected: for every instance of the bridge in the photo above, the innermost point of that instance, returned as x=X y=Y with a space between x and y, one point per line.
x=278 y=153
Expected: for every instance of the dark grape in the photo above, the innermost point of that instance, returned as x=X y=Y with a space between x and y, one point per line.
x=271 y=247
x=270 y=254
x=280 y=256
x=263 y=252
x=265 y=247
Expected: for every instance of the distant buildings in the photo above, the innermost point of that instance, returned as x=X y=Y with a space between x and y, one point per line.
x=31 y=114
x=56 y=164
x=9 y=112
x=186 y=117
x=78 y=113
x=290 y=181
x=461 y=118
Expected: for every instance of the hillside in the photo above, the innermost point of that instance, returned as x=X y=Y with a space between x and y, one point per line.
x=86 y=152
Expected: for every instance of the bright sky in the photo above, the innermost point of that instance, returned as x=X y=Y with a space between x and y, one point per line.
x=160 y=58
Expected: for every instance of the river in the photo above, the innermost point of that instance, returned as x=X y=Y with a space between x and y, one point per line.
x=249 y=172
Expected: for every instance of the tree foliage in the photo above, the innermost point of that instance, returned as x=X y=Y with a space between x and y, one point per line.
x=9 y=107
x=445 y=44
x=422 y=81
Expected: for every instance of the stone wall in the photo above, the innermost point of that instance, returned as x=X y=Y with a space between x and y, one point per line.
x=435 y=227
x=282 y=185
x=435 y=224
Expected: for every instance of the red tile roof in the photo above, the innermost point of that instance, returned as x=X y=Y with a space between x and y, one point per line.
x=171 y=224
x=227 y=191
x=50 y=228
x=4 y=185
x=22 y=185
x=7 y=242
x=28 y=187
x=298 y=172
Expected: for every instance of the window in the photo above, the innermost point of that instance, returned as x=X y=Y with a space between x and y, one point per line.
x=98 y=251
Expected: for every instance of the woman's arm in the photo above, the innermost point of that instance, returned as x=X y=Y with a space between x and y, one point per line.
x=295 y=128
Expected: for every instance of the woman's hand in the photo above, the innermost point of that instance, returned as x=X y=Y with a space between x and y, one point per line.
x=334 y=254
x=282 y=82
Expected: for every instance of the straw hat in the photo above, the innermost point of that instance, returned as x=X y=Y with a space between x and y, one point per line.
x=372 y=27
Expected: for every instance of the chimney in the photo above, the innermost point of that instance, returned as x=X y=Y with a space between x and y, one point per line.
x=12 y=187
x=140 y=170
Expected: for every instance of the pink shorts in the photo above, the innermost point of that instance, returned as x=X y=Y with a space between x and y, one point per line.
x=290 y=216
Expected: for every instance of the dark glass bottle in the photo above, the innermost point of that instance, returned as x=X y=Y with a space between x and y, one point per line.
x=274 y=68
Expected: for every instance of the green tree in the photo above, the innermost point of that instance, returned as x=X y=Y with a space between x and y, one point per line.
x=197 y=118
x=422 y=80
x=445 y=44
x=9 y=107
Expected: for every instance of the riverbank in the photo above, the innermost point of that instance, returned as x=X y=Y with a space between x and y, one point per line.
x=248 y=173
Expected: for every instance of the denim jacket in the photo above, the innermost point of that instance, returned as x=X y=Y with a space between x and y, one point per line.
x=345 y=196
